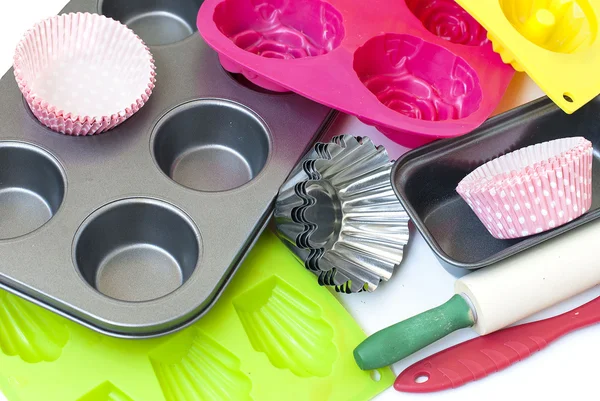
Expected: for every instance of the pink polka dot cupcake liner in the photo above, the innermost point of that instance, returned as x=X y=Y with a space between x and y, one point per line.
x=82 y=73
x=533 y=189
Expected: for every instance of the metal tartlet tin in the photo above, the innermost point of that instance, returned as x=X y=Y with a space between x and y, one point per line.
x=339 y=215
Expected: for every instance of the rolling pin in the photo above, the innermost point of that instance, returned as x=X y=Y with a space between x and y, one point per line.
x=495 y=297
x=482 y=356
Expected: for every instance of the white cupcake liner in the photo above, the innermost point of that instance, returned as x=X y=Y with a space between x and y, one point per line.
x=83 y=73
x=532 y=190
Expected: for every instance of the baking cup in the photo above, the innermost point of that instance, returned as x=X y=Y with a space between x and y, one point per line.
x=532 y=190
x=83 y=73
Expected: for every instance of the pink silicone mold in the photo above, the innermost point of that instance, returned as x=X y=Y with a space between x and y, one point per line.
x=448 y=20
x=418 y=71
x=418 y=79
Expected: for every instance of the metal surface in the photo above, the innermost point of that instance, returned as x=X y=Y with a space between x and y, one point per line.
x=157 y=22
x=425 y=181
x=211 y=145
x=228 y=149
x=339 y=215
x=137 y=249
x=32 y=187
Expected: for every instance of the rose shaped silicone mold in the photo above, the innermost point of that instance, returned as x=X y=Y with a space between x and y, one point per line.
x=322 y=50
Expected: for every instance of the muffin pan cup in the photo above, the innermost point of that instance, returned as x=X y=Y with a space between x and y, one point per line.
x=425 y=181
x=417 y=71
x=555 y=42
x=136 y=231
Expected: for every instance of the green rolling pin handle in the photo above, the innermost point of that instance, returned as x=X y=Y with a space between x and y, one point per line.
x=396 y=342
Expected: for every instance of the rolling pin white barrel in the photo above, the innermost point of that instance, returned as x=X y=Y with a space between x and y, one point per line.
x=495 y=297
x=533 y=280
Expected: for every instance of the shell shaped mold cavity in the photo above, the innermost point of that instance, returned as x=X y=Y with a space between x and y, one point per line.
x=30 y=332
x=194 y=367
x=281 y=29
x=288 y=327
x=106 y=392
x=561 y=26
x=449 y=21
x=418 y=79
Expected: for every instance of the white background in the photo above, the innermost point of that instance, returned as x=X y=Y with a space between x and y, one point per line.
x=568 y=368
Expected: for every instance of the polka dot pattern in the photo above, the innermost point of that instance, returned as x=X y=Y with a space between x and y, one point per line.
x=549 y=184
x=83 y=73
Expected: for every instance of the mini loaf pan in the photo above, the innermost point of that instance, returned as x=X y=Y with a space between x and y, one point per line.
x=135 y=232
x=425 y=181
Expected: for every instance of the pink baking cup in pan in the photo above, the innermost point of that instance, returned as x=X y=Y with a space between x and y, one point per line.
x=533 y=189
x=418 y=70
x=83 y=73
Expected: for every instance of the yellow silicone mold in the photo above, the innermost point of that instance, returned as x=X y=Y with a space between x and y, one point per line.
x=273 y=335
x=554 y=41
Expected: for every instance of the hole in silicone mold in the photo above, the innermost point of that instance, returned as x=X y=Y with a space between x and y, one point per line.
x=281 y=29
x=157 y=22
x=288 y=327
x=568 y=97
x=375 y=375
x=418 y=79
x=449 y=21
x=137 y=249
x=421 y=378
x=30 y=332
x=193 y=366
x=211 y=145
x=106 y=392
x=32 y=188
x=562 y=26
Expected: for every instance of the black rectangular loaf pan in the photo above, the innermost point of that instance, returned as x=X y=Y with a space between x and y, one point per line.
x=425 y=181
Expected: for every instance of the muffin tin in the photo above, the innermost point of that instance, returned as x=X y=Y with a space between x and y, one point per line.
x=135 y=232
x=425 y=181
x=418 y=70
x=554 y=41
x=272 y=332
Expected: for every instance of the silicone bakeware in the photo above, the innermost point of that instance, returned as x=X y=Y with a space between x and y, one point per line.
x=425 y=181
x=554 y=41
x=417 y=70
x=272 y=332
x=135 y=232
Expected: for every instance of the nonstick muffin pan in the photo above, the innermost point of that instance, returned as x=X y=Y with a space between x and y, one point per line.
x=136 y=231
x=555 y=41
x=418 y=70
x=425 y=181
x=272 y=332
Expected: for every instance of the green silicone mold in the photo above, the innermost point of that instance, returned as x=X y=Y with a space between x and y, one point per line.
x=273 y=335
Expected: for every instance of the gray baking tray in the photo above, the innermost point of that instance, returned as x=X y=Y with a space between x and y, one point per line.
x=136 y=232
x=425 y=181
